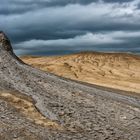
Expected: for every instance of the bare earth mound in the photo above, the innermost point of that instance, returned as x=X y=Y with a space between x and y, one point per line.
x=119 y=71
x=37 y=105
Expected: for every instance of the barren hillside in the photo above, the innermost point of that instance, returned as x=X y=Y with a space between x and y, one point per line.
x=115 y=70
x=37 y=105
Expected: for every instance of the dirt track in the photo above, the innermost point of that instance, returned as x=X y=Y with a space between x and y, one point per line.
x=76 y=111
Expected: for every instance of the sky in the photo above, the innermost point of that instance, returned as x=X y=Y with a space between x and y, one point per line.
x=54 y=27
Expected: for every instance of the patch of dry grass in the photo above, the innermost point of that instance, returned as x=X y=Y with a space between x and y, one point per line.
x=27 y=108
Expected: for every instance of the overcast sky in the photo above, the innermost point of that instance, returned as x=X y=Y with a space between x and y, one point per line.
x=51 y=27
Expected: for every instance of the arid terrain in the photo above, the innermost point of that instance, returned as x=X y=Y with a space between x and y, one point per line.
x=115 y=70
x=38 y=105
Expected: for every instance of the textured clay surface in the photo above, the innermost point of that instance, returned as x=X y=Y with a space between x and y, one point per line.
x=36 y=105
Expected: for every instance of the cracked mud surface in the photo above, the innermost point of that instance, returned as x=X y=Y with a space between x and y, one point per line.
x=74 y=111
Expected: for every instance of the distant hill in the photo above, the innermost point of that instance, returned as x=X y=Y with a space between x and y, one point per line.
x=115 y=70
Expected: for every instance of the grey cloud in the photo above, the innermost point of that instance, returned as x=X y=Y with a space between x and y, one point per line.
x=118 y=1
x=85 y=42
x=52 y=20
x=19 y=7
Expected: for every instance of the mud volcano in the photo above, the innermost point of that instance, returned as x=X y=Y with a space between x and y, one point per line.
x=36 y=105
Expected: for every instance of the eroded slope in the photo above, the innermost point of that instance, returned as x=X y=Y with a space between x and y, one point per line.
x=119 y=71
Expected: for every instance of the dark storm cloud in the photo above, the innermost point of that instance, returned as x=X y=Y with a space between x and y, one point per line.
x=120 y=1
x=58 y=26
x=16 y=6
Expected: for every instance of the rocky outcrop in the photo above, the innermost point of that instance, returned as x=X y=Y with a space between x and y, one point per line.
x=5 y=42
x=75 y=111
x=5 y=45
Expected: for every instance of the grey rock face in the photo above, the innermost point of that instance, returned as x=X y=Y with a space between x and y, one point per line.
x=5 y=42
x=85 y=112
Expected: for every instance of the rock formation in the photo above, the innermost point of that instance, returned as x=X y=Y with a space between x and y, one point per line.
x=5 y=42
x=37 y=105
x=6 y=45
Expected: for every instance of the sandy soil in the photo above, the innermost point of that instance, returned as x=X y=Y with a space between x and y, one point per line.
x=115 y=70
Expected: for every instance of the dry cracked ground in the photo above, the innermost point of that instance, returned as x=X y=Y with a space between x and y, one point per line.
x=37 y=105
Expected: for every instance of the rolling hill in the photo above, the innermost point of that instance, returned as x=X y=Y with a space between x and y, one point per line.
x=114 y=70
